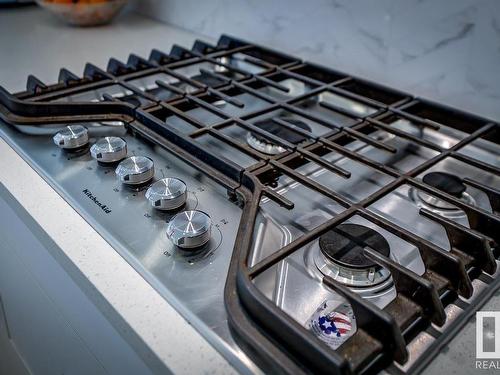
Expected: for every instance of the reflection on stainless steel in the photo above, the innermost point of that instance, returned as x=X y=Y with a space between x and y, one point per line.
x=239 y=61
x=222 y=149
x=294 y=86
x=357 y=108
x=407 y=157
x=483 y=150
x=400 y=208
x=312 y=106
x=445 y=137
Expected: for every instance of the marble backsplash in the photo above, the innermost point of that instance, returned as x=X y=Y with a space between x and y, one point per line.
x=444 y=50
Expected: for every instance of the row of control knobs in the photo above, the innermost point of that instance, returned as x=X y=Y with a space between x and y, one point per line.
x=188 y=229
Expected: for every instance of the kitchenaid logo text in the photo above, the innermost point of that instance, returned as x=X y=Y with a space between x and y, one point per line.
x=488 y=340
x=102 y=206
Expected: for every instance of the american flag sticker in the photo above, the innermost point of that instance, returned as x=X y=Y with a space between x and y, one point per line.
x=333 y=323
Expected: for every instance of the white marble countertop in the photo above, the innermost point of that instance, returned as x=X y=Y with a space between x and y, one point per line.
x=32 y=42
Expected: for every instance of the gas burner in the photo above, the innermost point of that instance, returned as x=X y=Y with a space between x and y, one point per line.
x=340 y=255
x=447 y=183
x=263 y=145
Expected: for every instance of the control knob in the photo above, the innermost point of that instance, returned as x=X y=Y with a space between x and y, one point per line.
x=167 y=194
x=109 y=149
x=189 y=229
x=135 y=170
x=72 y=137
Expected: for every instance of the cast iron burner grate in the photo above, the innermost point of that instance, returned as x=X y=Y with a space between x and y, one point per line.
x=272 y=126
x=273 y=339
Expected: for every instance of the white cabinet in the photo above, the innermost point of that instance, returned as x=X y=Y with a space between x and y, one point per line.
x=41 y=334
x=10 y=360
x=55 y=319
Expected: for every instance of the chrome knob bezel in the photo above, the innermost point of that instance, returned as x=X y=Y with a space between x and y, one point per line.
x=109 y=150
x=167 y=194
x=135 y=170
x=71 y=137
x=190 y=229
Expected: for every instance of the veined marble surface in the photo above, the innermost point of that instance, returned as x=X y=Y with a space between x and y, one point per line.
x=447 y=51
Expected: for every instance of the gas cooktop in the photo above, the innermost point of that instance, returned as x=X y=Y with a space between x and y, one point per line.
x=305 y=218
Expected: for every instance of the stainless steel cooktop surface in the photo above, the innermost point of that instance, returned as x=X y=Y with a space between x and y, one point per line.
x=277 y=205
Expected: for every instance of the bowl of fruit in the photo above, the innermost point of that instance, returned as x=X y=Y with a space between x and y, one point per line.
x=84 y=12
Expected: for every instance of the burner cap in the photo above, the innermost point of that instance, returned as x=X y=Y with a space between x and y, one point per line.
x=445 y=182
x=344 y=245
x=280 y=131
